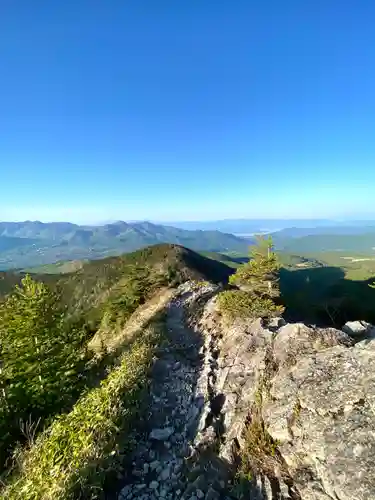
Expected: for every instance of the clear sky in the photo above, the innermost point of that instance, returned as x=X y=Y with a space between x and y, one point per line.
x=195 y=109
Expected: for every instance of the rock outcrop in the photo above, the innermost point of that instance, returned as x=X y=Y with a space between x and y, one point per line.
x=314 y=390
x=295 y=402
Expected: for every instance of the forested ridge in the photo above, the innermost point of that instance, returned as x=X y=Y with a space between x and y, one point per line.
x=46 y=327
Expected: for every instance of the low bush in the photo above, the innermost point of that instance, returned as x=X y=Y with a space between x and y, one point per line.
x=239 y=303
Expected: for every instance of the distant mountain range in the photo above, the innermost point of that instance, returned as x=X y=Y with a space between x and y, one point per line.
x=250 y=226
x=33 y=243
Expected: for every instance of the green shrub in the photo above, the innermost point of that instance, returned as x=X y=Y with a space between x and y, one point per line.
x=241 y=304
x=71 y=458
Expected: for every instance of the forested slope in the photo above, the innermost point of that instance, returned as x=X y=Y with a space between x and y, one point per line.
x=46 y=327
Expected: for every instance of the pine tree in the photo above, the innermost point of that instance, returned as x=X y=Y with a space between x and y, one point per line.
x=40 y=357
x=260 y=275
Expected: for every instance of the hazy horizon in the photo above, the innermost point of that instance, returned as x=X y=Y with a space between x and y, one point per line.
x=202 y=221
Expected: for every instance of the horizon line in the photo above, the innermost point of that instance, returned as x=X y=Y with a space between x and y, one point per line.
x=195 y=221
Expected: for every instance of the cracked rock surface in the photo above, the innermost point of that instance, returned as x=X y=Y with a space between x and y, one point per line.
x=318 y=404
x=317 y=388
x=322 y=410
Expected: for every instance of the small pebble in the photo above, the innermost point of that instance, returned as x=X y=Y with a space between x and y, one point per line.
x=126 y=490
x=140 y=486
x=154 y=465
x=154 y=485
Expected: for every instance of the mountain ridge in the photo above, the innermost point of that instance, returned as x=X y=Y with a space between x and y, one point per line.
x=34 y=243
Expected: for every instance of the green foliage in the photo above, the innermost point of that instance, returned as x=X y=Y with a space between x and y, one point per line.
x=260 y=274
x=259 y=453
x=239 y=303
x=258 y=441
x=232 y=261
x=43 y=335
x=86 y=291
x=72 y=458
x=40 y=359
x=258 y=281
x=336 y=243
x=139 y=284
x=8 y=281
x=45 y=331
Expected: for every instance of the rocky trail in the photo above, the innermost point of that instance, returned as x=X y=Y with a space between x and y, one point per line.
x=165 y=463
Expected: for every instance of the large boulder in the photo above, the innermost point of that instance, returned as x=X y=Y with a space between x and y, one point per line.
x=314 y=390
x=321 y=412
x=296 y=340
x=359 y=329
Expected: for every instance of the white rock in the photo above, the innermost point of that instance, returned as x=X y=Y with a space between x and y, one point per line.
x=140 y=487
x=161 y=434
x=359 y=329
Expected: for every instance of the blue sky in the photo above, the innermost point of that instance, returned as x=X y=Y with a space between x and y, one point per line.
x=167 y=110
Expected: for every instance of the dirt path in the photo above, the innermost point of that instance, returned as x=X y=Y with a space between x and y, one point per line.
x=161 y=467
